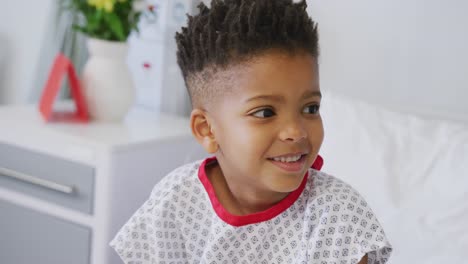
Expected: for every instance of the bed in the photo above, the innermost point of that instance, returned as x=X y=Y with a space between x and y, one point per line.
x=412 y=170
x=394 y=79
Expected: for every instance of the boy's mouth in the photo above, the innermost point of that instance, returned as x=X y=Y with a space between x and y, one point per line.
x=290 y=163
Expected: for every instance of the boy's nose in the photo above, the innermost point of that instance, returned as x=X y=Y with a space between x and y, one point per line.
x=293 y=131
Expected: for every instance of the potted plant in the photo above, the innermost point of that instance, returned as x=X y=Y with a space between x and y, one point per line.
x=106 y=80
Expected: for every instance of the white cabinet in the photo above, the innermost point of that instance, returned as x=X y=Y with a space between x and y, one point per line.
x=29 y=236
x=66 y=189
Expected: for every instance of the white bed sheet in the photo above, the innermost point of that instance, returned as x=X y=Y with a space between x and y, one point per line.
x=412 y=171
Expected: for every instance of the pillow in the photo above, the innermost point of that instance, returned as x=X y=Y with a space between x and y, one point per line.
x=413 y=171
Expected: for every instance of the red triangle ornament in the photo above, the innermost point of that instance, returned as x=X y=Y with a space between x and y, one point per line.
x=63 y=66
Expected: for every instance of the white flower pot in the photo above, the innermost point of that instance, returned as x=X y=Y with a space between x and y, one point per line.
x=107 y=82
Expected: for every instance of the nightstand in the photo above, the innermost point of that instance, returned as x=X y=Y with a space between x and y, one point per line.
x=66 y=189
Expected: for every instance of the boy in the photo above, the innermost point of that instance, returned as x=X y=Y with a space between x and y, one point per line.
x=252 y=74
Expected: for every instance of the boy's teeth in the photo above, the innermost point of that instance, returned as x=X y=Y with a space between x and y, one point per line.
x=288 y=159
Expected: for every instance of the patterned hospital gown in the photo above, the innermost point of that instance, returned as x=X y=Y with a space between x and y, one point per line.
x=324 y=221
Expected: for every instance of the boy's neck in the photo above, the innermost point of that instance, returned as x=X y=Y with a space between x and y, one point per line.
x=239 y=198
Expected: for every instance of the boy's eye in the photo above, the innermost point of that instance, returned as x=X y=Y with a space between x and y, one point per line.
x=311 y=109
x=264 y=113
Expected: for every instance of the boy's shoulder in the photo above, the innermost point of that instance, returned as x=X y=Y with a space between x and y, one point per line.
x=343 y=220
x=182 y=177
x=325 y=189
x=321 y=189
x=319 y=184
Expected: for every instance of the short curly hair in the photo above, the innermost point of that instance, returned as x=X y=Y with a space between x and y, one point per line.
x=233 y=31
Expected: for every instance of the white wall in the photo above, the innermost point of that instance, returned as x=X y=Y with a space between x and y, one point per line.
x=22 y=34
x=407 y=55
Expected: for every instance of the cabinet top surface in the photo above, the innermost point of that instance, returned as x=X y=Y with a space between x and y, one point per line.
x=23 y=123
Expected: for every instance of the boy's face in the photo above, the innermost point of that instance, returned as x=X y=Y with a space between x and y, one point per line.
x=268 y=128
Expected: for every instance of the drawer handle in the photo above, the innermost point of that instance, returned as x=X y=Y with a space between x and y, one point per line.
x=37 y=181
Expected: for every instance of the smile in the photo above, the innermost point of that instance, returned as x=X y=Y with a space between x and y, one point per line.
x=290 y=163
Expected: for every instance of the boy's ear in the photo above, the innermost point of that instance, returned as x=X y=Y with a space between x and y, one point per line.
x=202 y=130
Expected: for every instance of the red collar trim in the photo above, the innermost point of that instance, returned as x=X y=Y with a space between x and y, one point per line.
x=241 y=220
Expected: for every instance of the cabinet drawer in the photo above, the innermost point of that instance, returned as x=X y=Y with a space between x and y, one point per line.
x=27 y=236
x=50 y=178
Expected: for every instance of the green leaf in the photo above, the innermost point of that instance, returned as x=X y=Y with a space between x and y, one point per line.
x=115 y=25
x=94 y=20
x=80 y=29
